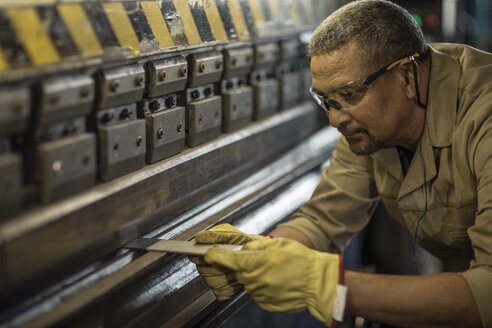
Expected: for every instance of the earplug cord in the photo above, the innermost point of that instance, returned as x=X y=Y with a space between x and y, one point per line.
x=414 y=64
x=423 y=214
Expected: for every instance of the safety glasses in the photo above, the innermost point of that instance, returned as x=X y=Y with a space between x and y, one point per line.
x=348 y=93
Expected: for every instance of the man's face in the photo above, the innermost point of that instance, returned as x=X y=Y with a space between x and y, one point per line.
x=370 y=116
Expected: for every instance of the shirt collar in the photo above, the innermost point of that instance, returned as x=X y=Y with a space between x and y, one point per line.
x=442 y=99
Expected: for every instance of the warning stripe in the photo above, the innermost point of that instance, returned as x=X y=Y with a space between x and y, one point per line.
x=157 y=24
x=257 y=12
x=190 y=28
x=322 y=10
x=215 y=21
x=80 y=29
x=248 y=17
x=200 y=17
x=309 y=11
x=294 y=11
x=266 y=10
x=29 y=28
x=39 y=35
x=226 y=18
x=13 y=51
x=100 y=23
x=122 y=26
x=274 y=7
x=3 y=62
x=173 y=23
x=139 y=21
x=57 y=31
x=238 y=19
x=301 y=9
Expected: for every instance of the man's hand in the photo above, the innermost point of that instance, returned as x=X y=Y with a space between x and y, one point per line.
x=282 y=275
x=220 y=279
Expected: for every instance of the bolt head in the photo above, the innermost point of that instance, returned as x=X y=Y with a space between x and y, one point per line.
x=125 y=114
x=57 y=167
x=114 y=85
x=54 y=99
x=154 y=105
x=139 y=80
x=139 y=141
x=17 y=106
x=218 y=63
x=182 y=71
x=84 y=92
x=87 y=159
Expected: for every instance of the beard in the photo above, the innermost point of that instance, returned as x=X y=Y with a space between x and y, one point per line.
x=358 y=146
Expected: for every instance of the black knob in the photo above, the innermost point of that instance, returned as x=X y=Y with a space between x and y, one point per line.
x=195 y=94
x=154 y=105
x=125 y=114
x=107 y=117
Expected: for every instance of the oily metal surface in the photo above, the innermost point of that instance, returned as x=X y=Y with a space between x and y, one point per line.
x=77 y=230
x=177 y=246
x=111 y=295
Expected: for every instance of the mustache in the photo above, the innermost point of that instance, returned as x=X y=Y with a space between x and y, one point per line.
x=346 y=130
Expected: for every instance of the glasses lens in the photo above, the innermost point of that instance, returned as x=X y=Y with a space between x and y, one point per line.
x=322 y=101
x=333 y=103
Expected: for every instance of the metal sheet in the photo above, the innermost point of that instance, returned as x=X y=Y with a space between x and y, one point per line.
x=178 y=246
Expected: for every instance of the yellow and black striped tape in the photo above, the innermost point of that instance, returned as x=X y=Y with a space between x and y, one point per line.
x=40 y=35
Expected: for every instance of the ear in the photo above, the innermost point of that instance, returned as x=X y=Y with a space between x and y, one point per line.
x=405 y=76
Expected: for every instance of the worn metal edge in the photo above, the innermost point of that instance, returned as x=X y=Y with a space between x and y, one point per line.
x=134 y=270
x=111 y=206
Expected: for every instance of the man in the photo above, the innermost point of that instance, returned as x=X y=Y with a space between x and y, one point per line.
x=416 y=122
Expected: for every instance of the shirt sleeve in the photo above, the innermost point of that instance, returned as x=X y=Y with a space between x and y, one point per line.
x=341 y=204
x=479 y=275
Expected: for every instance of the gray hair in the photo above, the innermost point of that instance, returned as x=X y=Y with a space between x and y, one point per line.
x=384 y=32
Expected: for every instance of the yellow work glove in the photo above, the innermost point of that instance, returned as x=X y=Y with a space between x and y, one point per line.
x=282 y=275
x=224 y=234
x=220 y=279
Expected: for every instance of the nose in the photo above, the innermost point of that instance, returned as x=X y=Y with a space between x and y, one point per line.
x=338 y=117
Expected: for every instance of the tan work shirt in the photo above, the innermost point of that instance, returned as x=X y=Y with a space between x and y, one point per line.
x=457 y=152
